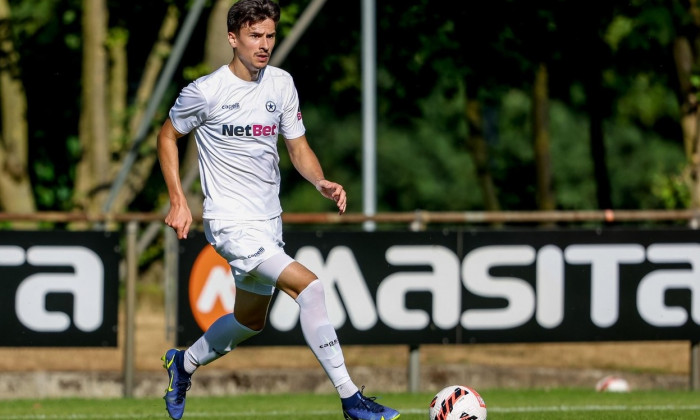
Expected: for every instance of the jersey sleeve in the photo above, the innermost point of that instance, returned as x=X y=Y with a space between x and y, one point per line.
x=291 y=124
x=190 y=110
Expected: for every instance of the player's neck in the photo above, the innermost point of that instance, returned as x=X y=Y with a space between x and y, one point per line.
x=242 y=72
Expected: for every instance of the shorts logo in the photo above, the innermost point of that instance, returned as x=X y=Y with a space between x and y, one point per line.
x=270 y=106
x=258 y=253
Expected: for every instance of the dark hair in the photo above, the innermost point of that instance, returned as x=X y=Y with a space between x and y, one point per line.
x=247 y=12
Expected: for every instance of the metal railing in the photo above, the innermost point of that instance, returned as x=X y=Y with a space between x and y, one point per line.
x=418 y=217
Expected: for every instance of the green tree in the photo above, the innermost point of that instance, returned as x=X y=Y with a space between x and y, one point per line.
x=488 y=105
x=108 y=108
x=15 y=185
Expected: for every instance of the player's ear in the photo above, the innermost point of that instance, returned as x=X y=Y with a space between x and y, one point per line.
x=232 y=40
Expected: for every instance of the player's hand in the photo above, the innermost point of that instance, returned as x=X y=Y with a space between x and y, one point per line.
x=179 y=218
x=333 y=191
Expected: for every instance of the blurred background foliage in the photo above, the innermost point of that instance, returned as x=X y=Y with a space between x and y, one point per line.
x=610 y=69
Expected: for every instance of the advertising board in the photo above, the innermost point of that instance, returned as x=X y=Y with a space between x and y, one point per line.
x=469 y=286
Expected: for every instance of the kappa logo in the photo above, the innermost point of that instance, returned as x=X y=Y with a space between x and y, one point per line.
x=257 y=253
x=329 y=344
x=231 y=107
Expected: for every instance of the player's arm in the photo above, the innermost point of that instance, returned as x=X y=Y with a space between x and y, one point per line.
x=179 y=216
x=306 y=163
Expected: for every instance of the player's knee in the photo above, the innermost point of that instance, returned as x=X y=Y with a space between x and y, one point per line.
x=254 y=322
x=312 y=293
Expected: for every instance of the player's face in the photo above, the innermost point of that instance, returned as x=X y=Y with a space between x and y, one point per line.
x=254 y=44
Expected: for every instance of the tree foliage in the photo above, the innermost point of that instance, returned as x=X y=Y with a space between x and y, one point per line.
x=455 y=101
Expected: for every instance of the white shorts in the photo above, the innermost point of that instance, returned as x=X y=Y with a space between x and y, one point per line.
x=253 y=248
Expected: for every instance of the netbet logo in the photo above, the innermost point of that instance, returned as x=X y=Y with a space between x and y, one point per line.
x=249 y=130
x=85 y=283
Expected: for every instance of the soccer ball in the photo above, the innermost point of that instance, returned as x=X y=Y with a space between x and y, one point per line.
x=612 y=384
x=457 y=402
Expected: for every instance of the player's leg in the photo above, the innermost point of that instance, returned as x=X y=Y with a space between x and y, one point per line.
x=303 y=285
x=219 y=339
x=247 y=320
x=250 y=311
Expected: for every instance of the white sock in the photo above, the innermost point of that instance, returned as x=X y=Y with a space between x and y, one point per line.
x=347 y=389
x=219 y=339
x=322 y=338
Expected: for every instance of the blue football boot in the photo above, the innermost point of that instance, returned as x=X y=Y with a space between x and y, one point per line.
x=359 y=407
x=179 y=383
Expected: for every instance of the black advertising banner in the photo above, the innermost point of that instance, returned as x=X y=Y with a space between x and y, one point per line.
x=59 y=288
x=468 y=286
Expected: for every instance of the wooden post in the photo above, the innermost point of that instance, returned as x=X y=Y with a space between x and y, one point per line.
x=170 y=284
x=414 y=368
x=695 y=365
x=131 y=274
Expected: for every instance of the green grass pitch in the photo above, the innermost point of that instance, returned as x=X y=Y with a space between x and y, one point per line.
x=569 y=404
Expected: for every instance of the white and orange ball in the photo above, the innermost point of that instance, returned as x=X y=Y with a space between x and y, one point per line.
x=457 y=402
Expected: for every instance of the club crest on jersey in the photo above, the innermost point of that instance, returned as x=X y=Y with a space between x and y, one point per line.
x=270 y=106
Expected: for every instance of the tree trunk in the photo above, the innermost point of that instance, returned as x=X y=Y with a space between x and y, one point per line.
x=480 y=154
x=16 y=194
x=543 y=159
x=154 y=64
x=595 y=108
x=685 y=58
x=217 y=50
x=143 y=166
x=118 y=72
x=92 y=172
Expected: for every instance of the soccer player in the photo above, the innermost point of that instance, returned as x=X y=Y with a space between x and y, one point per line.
x=237 y=113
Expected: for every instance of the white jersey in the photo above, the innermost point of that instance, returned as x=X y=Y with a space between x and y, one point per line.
x=236 y=125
